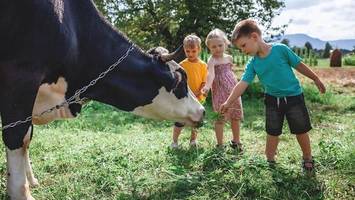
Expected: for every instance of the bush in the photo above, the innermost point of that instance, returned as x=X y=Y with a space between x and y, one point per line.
x=312 y=94
x=255 y=90
x=349 y=60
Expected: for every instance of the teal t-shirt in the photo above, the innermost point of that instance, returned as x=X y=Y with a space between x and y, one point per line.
x=275 y=71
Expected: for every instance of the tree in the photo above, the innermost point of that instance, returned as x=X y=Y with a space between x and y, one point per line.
x=166 y=22
x=327 y=49
x=286 y=42
x=308 y=46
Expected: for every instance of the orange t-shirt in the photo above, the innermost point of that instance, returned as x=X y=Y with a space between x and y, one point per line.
x=196 y=76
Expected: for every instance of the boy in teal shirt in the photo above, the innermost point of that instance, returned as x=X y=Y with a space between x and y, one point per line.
x=273 y=64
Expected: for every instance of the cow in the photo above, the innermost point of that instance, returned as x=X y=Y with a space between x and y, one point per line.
x=55 y=50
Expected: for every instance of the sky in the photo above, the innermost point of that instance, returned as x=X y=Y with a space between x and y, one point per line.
x=323 y=19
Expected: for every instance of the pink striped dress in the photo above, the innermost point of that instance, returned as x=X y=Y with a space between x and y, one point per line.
x=223 y=84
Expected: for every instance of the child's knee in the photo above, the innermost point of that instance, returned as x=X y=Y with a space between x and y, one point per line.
x=219 y=122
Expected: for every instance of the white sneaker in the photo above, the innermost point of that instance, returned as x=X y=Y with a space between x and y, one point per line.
x=174 y=145
x=193 y=143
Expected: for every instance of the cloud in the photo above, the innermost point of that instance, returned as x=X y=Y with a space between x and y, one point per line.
x=326 y=20
x=300 y=21
x=299 y=4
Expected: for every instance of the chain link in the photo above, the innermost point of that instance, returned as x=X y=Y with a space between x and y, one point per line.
x=76 y=97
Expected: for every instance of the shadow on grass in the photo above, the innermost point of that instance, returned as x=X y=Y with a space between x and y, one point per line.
x=293 y=185
x=192 y=168
x=225 y=174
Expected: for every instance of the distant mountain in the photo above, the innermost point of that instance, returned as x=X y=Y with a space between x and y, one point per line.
x=300 y=39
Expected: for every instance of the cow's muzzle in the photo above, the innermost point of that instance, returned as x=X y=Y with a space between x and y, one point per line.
x=197 y=122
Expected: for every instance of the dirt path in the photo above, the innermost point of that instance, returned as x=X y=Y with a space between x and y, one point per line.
x=341 y=76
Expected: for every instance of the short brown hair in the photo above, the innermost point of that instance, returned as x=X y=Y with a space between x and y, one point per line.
x=191 y=41
x=245 y=28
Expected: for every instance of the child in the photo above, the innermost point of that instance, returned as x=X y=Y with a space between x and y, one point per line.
x=196 y=71
x=221 y=79
x=273 y=64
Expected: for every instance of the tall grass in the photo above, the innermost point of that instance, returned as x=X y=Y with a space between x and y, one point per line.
x=109 y=154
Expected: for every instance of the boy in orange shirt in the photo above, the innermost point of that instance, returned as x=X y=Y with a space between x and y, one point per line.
x=196 y=71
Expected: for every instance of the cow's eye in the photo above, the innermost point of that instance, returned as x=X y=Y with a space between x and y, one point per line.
x=180 y=89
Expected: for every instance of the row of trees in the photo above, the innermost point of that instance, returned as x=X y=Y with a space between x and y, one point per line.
x=308 y=46
x=166 y=22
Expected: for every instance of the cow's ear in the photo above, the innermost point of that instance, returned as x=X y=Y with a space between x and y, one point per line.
x=172 y=56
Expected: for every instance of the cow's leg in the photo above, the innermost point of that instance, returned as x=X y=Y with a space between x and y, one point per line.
x=29 y=173
x=17 y=104
x=17 y=185
x=17 y=168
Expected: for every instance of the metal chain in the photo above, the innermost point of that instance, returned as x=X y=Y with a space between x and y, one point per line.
x=76 y=97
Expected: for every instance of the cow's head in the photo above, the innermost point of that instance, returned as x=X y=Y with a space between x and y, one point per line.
x=153 y=86
x=180 y=101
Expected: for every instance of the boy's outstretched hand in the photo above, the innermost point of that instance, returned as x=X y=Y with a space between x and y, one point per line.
x=320 y=85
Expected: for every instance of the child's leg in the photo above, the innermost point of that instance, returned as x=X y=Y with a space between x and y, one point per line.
x=271 y=146
x=235 y=125
x=176 y=132
x=305 y=144
x=218 y=127
x=193 y=134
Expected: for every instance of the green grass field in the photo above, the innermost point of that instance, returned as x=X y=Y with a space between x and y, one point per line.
x=325 y=63
x=108 y=154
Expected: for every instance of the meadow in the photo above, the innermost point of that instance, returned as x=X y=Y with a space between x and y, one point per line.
x=109 y=154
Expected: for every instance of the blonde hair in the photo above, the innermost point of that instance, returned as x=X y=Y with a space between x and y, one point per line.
x=245 y=28
x=191 y=41
x=217 y=33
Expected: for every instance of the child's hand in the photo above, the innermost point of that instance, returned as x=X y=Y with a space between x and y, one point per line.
x=224 y=108
x=204 y=91
x=320 y=85
x=197 y=94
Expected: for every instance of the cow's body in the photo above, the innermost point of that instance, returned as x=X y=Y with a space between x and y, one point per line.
x=67 y=42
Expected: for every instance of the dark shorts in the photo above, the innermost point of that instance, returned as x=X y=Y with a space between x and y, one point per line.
x=291 y=107
x=178 y=124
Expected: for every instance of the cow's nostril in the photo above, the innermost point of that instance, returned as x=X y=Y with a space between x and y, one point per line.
x=204 y=113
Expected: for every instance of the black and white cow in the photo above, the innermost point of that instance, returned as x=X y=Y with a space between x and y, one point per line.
x=60 y=46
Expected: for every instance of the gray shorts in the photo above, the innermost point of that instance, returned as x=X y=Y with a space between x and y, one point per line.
x=291 y=107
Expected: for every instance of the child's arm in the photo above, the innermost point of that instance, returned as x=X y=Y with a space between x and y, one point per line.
x=210 y=77
x=306 y=71
x=237 y=91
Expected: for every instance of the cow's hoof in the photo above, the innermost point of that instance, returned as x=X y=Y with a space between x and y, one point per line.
x=34 y=182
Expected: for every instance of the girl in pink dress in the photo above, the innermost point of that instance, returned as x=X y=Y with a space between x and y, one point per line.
x=222 y=81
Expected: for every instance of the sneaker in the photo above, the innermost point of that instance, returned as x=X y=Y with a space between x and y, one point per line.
x=308 y=165
x=174 y=145
x=236 y=146
x=193 y=143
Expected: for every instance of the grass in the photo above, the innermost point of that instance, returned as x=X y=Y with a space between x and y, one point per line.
x=325 y=63
x=109 y=154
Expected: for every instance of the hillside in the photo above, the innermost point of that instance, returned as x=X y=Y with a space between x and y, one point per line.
x=300 y=39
